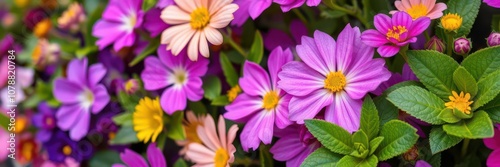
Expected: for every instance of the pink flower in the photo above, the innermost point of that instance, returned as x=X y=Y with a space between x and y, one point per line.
x=493 y=3
x=132 y=159
x=196 y=21
x=392 y=34
x=294 y=145
x=494 y=144
x=333 y=74
x=262 y=105
x=420 y=8
x=217 y=150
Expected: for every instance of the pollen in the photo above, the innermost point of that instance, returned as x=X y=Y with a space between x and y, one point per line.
x=221 y=157
x=200 y=18
x=417 y=11
x=460 y=102
x=233 y=93
x=270 y=100
x=335 y=81
x=451 y=22
x=395 y=32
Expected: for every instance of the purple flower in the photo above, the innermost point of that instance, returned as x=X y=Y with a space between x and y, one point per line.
x=287 y=5
x=294 y=145
x=180 y=76
x=80 y=93
x=262 y=104
x=462 y=46
x=494 y=144
x=45 y=121
x=153 y=23
x=493 y=39
x=60 y=147
x=253 y=8
x=392 y=34
x=333 y=74
x=164 y=3
x=275 y=37
x=492 y=3
x=118 y=23
x=132 y=159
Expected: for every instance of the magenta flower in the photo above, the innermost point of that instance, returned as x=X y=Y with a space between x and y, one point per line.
x=132 y=159
x=392 y=34
x=492 y=3
x=253 y=8
x=153 y=23
x=494 y=144
x=335 y=75
x=80 y=93
x=294 y=145
x=276 y=37
x=287 y=5
x=180 y=76
x=262 y=104
x=118 y=24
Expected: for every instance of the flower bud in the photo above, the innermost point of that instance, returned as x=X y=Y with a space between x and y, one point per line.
x=494 y=39
x=462 y=46
x=131 y=86
x=435 y=44
x=412 y=154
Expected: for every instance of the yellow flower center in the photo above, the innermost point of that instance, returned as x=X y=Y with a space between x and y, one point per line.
x=21 y=123
x=130 y=86
x=460 y=102
x=200 y=18
x=28 y=149
x=395 y=32
x=270 y=100
x=132 y=21
x=180 y=76
x=191 y=131
x=417 y=11
x=451 y=22
x=335 y=81
x=221 y=157
x=42 y=28
x=67 y=150
x=233 y=93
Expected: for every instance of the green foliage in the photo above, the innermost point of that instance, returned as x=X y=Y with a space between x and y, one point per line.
x=322 y=157
x=228 y=70
x=174 y=127
x=257 y=50
x=105 y=158
x=386 y=110
x=211 y=87
x=398 y=138
x=447 y=115
x=439 y=140
x=361 y=145
x=180 y=163
x=148 y=4
x=369 y=118
x=495 y=23
x=483 y=62
x=151 y=48
x=332 y=136
x=4 y=121
x=468 y=10
x=375 y=143
x=220 y=101
x=123 y=119
x=266 y=159
x=489 y=88
x=419 y=103
x=493 y=109
x=357 y=162
x=465 y=81
x=125 y=135
x=479 y=126
x=128 y=102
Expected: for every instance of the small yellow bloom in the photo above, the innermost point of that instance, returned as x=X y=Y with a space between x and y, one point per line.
x=233 y=93
x=451 y=22
x=147 y=119
x=42 y=28
x=460 y=102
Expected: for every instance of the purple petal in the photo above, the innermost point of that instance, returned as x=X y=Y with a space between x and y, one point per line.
x=193 y=89
x=155 y=74
x=126 y=40
x=131 y=158
x=408 y=74
x=277 y=59
x=77 y=71
x=344 y=51
x=422 y=163
x=44 y=135
x=366 y=78
x=277 y=38
x=362 y=53
x=257 y=7
x=494 y=142
x=309 y=54
x=418 y=26
x=173 y=99
x=81 y=126
x=241 y=15
x=155 y=156
x=67 y=115
x=382 y=23
x=288 y=147
x=493 y=159
x=255 y=80
x=281 y=117
x=297 y=160
x=290 y=6
x=243 y=107
x=402 y=18
x=388 y=50
x=373 y=38
x=66 y=91
x=96 y=73
x=345 y=112
x=196 y=68
x=313 y=2
x=302 y=108
x=326 y=47
x=106 y=32
x=298 y=29
x=297 y=79
x=251 y=135
x=101 y=98
x=267 y=127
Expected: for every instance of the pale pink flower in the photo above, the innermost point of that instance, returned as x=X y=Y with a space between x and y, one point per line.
x=217 y=150
x=196 y=21
x=420 y=8
x=190 y=125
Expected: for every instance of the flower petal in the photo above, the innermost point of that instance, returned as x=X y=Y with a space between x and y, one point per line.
x=155 y=156
x=131 y=158
x=66 y=91
x=388 y=50
x=81 y=126
x=173 y=99
x=345 y=112
x=306 y=107
x=277 y=59
x=154 y=75
x=101 y=98
x=298 y=79
x=243 y=108
x=255 y=80
x=373 y=38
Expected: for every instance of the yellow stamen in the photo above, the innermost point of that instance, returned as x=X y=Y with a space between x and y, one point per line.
x=395 y=32
x=335 y=81
x=67 y=150
x=180 y=76
x=270 y=100
x=233 y=93
x=460 y=102
x=221 y=157
x=200 y=18
x=451 y=22
x=417 y=11
x=42 y=28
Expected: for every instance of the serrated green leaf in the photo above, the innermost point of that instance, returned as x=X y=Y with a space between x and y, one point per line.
x=322 y=157
x=439 y=140
x=398 y=138
x=419 y=103
x=465 y=81
x=435 y=160
x=493 y=109
x=468 y=10
x=361 y=144
x=180 y=163
x=478 y=127
x=386 y=110
x=437 y=77
x=123 y=119
x=220 y=101
x=125 y=135
x=489 y=88
x=228 y=70
x=174 y=128
x=151 y=48
x=369 y=118
x=447 y=116
x=211 y=87
x=265 y=156
x=105 y=158
x=374 y=144
x=483 y=62
x=257 y=50
x=357 y=162
x=332 y=136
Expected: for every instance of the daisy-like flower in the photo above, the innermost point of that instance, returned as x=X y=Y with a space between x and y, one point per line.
x=460 y=102
x=190 y=125
x=148 y=119
x=295 y=143
x=262 y=105
x=392 y=34
x=118 y=23
x=132 y=159
x=196 y=21
x=420 y=8
x=217 y=149
x=180 y=76
x=80 y=94
x=451 y=22
x=333 y=74
x=492 y=3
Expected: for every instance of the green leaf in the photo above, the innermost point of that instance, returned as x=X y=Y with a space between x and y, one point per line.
x=105 y=158
x=478 y=127
x=419 y=103
x=360 y=137
x=332 y=136
x=174 y=128
x=332 y=14
x=212 y=87
x=126 y=135
x=386 y=110
x=220 y=101
x=350 y=161
x=465 y=81
x=150 y=49
x=95 y=8
x=361 y=144
x=489 y=88
x=493 y=109
x=148 y=4
x=468 y=10
x=483 y=62
x=228 y=69
x=447 y=116
x=180 y=163
x=369 y=118
x=265 y=156
x=440 y=141
x=257 y=50
x=398 y=138
x=128 y=102
x=435 y=76
x=82 y=52
x=197 y=107
x=374 y=144
x=123 y=119
x=4 y=121
x=322 y=157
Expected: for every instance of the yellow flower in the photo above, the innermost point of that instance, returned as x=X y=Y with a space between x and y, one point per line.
x=42 y=28
x=451 y=22
x=148 y=119
x=460 y=102
x=233 y=93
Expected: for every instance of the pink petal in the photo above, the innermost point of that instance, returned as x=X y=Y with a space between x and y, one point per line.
x=366 y=78
x=309 y=54
x=374 y=38
x=155 y=74
x=345 y=112
x=382 y=23
x=306 y=107
x=281 y=117
x=493 y=159
x=221 y=127
x=297 y=79
x=419 y=26
x=81 y=126
x=172 y=100
x=344 y=51
x=174 y=15
x=223 y=16
x=494 y=142
x=213 y=36
x=326 y=48
x=200 y=154
x=97 y=72
x=388 y=50
x=277 y=59
x=67 y=115
x=187 y=6
x=101 y=98
x=66 y=91
x=255 y=80
x=155 y=156
x=251 y=134
x=258 y=7
x=243 y=108
x=193 y=89
x=402 y=18
x=77 y=71
x=287 y=148
x=131 y=158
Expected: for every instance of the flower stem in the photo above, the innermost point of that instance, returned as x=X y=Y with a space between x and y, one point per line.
x=465 y=145
x=450 y=44
x=427 y=37
x=402 y=52
x=300 y=15
x=230 y=41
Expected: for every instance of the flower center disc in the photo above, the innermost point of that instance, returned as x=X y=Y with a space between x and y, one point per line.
x=451 y=22
x=200 y=18
x=270 y=100
x=335 y=81
x=66 y=150
x=460 y=102
x=417 y=11
x=396 y=32
x=221 y=158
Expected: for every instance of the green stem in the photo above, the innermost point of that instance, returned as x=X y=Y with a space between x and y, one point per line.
x=230 y=41
x=402 y=52
x=427 y=37
x=465 y=145
x=450 y=45
x=300 y=15
x=356 y=13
